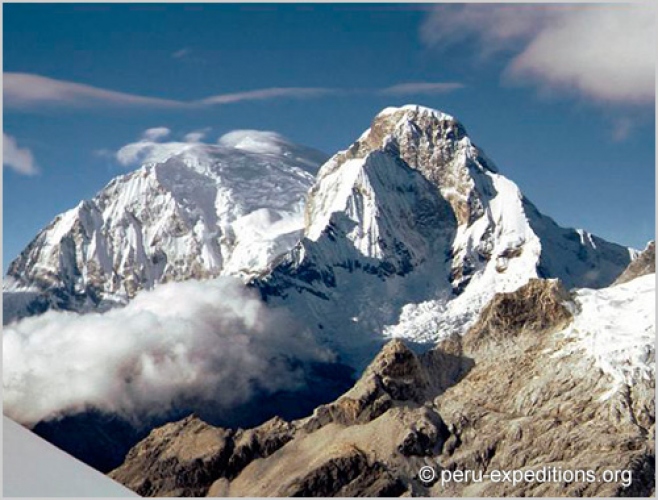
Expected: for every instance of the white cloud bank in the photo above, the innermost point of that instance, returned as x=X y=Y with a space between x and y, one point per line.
x=211 y=341
x=20 y=160
x=605 y=53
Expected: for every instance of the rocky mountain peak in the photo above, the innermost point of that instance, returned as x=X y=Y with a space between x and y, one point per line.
x=430 y=141
x=412 y=230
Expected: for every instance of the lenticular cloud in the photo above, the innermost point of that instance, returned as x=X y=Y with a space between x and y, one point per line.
x=211 y=341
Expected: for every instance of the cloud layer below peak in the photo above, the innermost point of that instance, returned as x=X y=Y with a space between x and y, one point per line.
x=208 y=342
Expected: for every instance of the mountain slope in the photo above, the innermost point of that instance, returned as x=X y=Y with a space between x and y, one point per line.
x=202 y=211
x=412 y=230
x=515 y=393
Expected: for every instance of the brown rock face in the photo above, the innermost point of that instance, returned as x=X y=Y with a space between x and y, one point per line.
x=527 y=405
x=178 y=459
x=537 y=306
x=509 y=397
x=645 y=263
x=184 y=458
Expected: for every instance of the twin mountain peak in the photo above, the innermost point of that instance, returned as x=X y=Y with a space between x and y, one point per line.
x=409 y=229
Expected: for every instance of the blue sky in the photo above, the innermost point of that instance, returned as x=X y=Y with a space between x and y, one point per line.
x=561 y=98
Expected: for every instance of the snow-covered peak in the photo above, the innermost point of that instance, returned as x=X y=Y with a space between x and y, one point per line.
x=203 y=211
x=414 y=110
x=411 y=230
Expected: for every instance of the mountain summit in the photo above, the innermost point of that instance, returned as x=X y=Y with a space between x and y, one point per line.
x=193 y=211
x=412 y=230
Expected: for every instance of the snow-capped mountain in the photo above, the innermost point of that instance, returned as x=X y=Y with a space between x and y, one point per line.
x=409 y=232
x=199 y=211
x=412 y=230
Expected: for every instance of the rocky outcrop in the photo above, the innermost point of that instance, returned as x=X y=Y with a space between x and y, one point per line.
x=645 y=263
x=538 y=306
x=184 y=458
x=506 y=396
x=178 y=459
x=528 y=405
x=396 y=376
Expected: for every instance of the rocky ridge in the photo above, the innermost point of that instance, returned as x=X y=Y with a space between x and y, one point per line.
x=505 y=396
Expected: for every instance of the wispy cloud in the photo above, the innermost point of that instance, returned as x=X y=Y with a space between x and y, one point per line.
x=412 y=88
x=196 y=136
x=20 y=160
x=156 y=133
x=29 y=92
x=269 y=93
x=155 y=145
x=148 y=151
x=182 y=53
x=25 y=91
x=622 y=129
x=605 y=53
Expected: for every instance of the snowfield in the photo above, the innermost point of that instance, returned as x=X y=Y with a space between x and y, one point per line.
x=616 y=327
x=35 y=468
